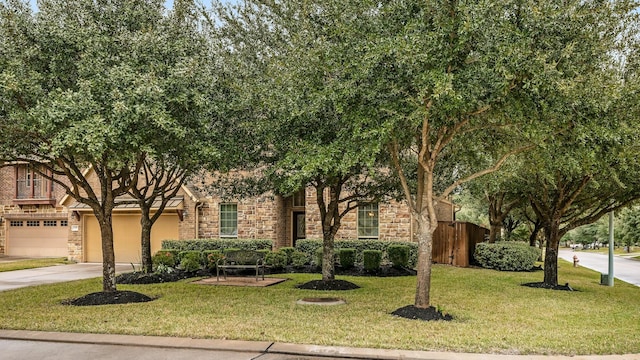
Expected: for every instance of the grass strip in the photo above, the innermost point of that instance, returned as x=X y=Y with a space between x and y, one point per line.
x=31 y=264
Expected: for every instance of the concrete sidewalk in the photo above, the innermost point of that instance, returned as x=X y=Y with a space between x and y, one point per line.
x=10 y=280
x=263 y=350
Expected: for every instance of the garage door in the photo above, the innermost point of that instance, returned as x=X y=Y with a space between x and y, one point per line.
x=126 y=236
x=37 y=238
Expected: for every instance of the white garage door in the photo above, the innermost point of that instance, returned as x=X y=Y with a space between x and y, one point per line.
x=126 y=236
x=37 y=238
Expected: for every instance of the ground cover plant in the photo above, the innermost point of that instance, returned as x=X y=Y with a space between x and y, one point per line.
x=492 y=313
x=32 y=264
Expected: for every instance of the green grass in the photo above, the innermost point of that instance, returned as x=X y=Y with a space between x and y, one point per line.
x=633 y=255
x=31 y=264
x=604 y=250
x=493 y=313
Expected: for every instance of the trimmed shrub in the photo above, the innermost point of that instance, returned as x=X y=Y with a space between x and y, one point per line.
x=347 y=258
x=372 y=259
x=318 y=257
x=506 y=256
x=165 y=258
x=288 y=251
x=276 y=259
x=264 y=253
x=309 y=246
x=217 y=244
x=190 y=261
x=398 y=255
x=211 y=258
x=230 y=249
x=299 y=259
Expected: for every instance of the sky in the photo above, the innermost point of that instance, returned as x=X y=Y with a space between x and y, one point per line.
x=168 y=3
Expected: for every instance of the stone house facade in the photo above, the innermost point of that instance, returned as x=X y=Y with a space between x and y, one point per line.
x=190 y=215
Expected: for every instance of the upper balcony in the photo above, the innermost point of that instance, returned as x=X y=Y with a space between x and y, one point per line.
x=32 y=188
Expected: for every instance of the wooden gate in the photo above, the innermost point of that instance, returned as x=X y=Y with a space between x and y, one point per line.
x=455 y=242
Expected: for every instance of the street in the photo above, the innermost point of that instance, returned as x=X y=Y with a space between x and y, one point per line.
x=623 y=269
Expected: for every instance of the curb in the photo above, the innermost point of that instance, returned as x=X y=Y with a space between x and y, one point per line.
x=267 y=347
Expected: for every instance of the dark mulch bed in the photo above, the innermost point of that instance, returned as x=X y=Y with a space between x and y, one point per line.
x=152 y=278
x=138 y=277
x=426 y=314
x=541 y=285
x=108 y=298
x=383 y=271
x=328 y=285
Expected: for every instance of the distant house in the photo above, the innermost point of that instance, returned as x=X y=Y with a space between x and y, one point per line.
x=39 y=220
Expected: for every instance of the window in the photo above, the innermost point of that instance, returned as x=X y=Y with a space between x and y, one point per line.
x=299 y=198
x=33 y=223
x=31 y=187
x=368 y=221
x=64 y=222
x=16 y=223
x=228 y=220
x=50 y=223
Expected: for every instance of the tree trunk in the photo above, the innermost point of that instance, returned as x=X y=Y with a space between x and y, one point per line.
x=552 y=234
x=108 y=255
x=330 y=218
x=425 y=260
x=328 y=269
x=534 y=235
x=145 y=240
x=495 y=228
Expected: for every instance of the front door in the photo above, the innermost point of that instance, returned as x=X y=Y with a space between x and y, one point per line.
x=298 y=226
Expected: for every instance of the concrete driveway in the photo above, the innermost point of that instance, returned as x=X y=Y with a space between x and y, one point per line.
x=10 y=280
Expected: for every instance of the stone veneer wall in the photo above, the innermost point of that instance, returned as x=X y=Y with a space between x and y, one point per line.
x=394 y=220
x=258 y=218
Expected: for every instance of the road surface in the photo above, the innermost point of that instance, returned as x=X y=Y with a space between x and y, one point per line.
x=623 y=269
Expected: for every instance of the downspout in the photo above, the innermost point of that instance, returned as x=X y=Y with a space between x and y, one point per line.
x=197 y=226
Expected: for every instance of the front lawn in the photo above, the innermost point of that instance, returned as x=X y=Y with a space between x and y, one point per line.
x=493 y=313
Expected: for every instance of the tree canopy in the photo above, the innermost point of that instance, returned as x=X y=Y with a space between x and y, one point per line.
x=296 y=62
x=100 y=84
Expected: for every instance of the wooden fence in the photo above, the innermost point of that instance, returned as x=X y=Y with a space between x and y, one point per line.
x=455 y=242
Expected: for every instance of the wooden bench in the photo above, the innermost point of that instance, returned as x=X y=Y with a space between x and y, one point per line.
x=241 y=259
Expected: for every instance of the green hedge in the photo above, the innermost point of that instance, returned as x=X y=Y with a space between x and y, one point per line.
x=288 y=251
x=347 y=258
x=318 y=254
x=211 y=258
x=191 y=260
x=309 y=246
x=372 y=259
x=398 y=255
x=217 y=244
x=507 y=256
x=167 y=257
x=276 y=259
x=299 y=259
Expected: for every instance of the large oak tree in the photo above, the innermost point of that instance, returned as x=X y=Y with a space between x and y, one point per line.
x=295 y=62
x=96 y=84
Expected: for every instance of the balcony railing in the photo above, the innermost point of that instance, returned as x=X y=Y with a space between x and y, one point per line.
x=33 y=191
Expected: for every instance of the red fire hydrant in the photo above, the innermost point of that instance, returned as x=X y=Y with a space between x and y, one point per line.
x=575 y=261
